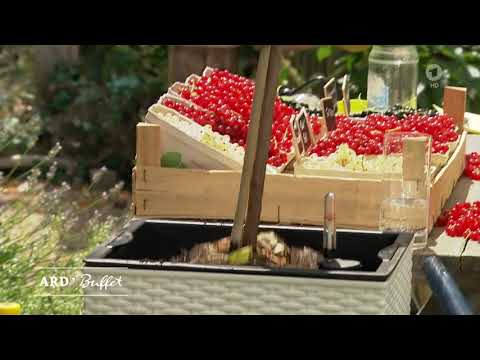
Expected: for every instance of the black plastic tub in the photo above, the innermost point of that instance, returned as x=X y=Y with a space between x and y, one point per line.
x=148 y=244
x=150 y=284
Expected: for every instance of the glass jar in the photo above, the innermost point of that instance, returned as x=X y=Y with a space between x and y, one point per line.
x=392 y=77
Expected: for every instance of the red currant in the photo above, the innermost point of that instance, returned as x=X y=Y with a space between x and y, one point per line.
x=472 y=167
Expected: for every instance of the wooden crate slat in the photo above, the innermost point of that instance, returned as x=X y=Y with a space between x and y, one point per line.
x=454 y=103
x=287 y=198
x=300 y=199
x=148 y=144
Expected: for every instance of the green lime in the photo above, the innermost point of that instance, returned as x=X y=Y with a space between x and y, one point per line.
x=171 y=160
x=242 y=256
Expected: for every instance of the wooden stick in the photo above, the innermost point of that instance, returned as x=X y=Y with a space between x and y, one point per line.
x=242 y=201
x=249 y=202
x=264 y=116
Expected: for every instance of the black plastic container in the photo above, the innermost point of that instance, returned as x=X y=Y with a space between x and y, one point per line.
x=148 y=244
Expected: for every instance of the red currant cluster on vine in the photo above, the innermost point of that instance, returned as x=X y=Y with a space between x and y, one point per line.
x=367 y=136
x=228 y=99
x=472 y=168
x=462 y=220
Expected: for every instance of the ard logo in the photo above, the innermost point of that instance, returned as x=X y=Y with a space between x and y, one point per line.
x=55 y=281
x=84 y=280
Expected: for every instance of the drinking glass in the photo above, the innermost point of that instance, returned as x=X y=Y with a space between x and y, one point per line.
x=406 y=180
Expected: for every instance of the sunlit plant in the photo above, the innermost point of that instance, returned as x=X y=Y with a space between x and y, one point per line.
x=47 y=225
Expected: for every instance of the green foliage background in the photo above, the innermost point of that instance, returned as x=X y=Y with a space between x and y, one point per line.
x=92 y=107
x=460 y=64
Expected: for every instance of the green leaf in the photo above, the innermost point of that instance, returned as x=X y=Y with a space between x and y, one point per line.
x=448 y=52
x=171 y=160
x=323 y=52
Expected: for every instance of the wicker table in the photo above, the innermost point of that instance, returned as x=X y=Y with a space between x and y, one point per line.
x=461 y=257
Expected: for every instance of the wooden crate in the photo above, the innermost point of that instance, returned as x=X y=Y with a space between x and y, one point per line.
x=288 y=199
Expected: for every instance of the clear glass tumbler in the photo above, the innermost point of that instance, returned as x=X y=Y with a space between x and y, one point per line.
x=406 y=180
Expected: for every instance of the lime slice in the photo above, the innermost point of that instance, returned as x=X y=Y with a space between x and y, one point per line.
x=171 y=160
x=241 y=256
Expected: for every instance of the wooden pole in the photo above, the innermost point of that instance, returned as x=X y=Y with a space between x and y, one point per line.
x=252 y=139
x=249 y=204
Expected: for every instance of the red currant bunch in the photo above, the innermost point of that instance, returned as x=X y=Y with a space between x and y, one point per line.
x=366 y=136
x=472 y=168
x=230 y=98
x=198 y=115
x=440 y=127
x=462 y=220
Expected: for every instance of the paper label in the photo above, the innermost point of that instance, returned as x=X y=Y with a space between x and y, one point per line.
x=330 y=91
x=328 y=109
x=302 y=134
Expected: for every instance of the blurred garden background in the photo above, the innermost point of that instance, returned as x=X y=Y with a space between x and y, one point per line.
x=67 y=140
